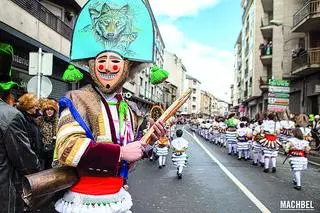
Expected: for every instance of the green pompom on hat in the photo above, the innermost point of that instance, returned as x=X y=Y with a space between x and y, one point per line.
x=72 y=74
x=6 y=57
x=231 y=122
x=158 y=75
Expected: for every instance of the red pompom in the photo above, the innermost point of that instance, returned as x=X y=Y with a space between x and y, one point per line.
x=115 y=67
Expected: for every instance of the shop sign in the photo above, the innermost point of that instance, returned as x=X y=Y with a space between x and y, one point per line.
x=278 y=95
x=277 y=108
x=282 y=83
x=279 y=89
x=20 y=60
x=278 y=101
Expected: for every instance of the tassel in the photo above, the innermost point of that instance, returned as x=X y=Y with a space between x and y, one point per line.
x=158 y=75
x=123 y=108
x=72 y=74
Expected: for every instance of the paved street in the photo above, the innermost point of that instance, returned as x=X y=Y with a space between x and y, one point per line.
x=205 y=187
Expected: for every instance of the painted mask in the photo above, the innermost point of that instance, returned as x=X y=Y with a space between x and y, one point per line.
x=109 y=71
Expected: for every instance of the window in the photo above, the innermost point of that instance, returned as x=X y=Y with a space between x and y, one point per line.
x=194 y=99
x=193 y=107
x=194 y=82
x=141 y=81
x=194 y=91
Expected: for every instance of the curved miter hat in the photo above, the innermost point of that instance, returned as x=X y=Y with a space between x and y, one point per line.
x=121 y=26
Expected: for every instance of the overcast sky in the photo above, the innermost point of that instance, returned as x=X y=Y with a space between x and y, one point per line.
x=202 y=33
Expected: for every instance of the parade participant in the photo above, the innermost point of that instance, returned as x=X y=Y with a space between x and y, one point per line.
x=162 y=150
x=297 y=148
x=243 y=142
x=179 y=157
x=303 y=124
x=48 y=129
x=257 y=148
x=215 y=131
x=222 y=132
x=231 y=136
x=316 y=123
x=270 y=131
x=17 y=158
x=115 y=39
x=287 y=127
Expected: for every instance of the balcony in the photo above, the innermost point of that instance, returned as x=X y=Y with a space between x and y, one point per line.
x=266 y=54
x=307 y=62
x=307 y=19
x=267 y=5
x=263 y=83
x=266 y=28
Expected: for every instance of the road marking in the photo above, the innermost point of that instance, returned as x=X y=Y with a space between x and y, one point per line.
x=244 y=189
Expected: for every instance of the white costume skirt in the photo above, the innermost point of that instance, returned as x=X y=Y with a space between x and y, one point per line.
x=179 y=159
x=73 y=202
x=267 y=152
x=298 y=163
x=243 y=146
x=161 y=150
x=256 y=147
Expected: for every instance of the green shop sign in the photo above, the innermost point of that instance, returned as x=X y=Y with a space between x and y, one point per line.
x=282 y=83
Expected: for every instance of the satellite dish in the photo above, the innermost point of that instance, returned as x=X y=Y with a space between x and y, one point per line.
x=46 y=86
x=128 y=95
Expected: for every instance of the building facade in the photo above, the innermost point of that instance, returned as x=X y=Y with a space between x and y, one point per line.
x=30 y=25
x=192 y=106
x=271 y=36
x=305 y=60
x=205 y=104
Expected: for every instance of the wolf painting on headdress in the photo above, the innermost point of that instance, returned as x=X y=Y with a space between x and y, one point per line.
x=112 y=26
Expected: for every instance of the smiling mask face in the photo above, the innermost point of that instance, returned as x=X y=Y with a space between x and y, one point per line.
x=109 y=71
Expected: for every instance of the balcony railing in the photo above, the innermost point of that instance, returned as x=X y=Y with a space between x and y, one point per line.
x=44 y=15
x=310 y=8
x=306 y=58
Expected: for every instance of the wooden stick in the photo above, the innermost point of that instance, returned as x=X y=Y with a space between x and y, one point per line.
x=146 y=139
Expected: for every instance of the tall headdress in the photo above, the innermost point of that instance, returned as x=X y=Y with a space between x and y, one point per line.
x=121 y=26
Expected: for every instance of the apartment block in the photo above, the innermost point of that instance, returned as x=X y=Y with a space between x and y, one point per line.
x=192 y=106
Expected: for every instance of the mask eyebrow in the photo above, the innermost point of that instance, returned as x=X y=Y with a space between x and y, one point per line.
x=115 y=57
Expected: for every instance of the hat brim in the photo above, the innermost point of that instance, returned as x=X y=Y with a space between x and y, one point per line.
x=7 y=86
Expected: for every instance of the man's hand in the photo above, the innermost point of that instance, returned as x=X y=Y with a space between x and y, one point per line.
x=159 y=130
x=131 y=152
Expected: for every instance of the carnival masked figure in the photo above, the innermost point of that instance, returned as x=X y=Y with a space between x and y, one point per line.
x=96 y=127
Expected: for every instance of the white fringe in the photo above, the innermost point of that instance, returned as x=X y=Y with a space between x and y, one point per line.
x=73 y=202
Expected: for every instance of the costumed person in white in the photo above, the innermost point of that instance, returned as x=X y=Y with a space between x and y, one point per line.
x=243 y=142
x=297 y=148
x=257 y=148
x=270 y=143
x=179 y=157
x=162 y=151
x=231 y=136
x=287 y=127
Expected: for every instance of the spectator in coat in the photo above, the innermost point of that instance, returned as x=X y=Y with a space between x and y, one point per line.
x=16 y=156
x=28 y=105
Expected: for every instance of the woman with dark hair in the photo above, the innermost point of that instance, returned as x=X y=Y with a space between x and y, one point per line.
x=298 y=149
